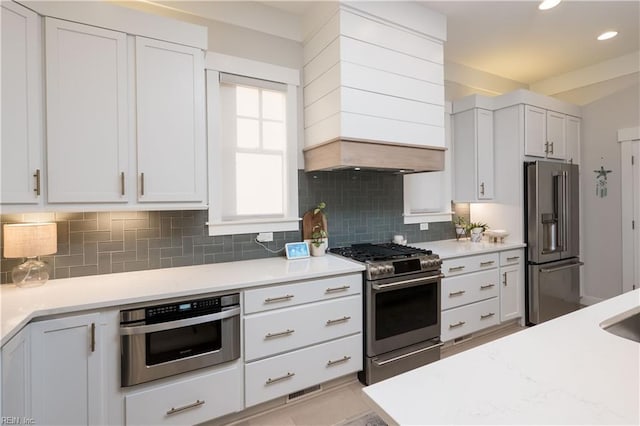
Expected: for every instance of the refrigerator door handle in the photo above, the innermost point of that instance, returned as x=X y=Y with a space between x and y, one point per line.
x=561 y=208
x=560 y=268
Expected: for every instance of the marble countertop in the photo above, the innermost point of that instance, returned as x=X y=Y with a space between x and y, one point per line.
x=18 y=306
x=564 y=371
x=448 y=249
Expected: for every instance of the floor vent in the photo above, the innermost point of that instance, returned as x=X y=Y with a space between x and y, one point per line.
x=462 y=339
x=303 y=392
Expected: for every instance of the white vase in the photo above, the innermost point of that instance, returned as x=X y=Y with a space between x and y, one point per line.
x=319 y=250
x=476 y=235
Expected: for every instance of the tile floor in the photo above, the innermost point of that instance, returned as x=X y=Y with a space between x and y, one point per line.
x=336 y=406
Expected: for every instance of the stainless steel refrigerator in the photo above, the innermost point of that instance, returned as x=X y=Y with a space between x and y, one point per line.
x=553 y=241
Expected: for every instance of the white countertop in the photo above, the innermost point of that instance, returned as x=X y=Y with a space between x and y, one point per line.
x=20 y=305
x=447 y=249
x=564 y=371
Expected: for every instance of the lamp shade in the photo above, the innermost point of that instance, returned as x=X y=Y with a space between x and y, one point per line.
x=29 y=239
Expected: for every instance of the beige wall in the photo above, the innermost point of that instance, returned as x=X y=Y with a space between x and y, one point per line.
x=602 y=231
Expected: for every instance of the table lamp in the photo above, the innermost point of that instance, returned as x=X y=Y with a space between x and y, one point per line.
x=30 y=240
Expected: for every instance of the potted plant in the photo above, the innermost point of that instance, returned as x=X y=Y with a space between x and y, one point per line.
x=318 y=231
x=460 y=225
x=318 y=241
x=475 y=230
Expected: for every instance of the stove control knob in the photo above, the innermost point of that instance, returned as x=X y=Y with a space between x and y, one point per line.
x=389 y=269
x=374 y=270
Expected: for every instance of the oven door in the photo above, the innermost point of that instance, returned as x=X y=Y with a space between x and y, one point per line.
x=154 y=351
x=402 y=312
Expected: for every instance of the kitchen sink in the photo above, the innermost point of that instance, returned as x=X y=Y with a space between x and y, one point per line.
x=626 y=324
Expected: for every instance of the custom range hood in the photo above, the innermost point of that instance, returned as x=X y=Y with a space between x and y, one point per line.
x=374 y=87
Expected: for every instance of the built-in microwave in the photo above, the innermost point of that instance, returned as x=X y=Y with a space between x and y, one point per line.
x=178 y=336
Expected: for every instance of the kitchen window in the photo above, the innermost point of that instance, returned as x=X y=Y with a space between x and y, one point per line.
x=252 y=117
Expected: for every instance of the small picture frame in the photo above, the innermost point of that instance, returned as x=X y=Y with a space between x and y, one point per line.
x=297 y=250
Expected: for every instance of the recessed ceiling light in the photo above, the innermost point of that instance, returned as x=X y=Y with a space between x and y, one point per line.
x=548 y=4
x=607 y=35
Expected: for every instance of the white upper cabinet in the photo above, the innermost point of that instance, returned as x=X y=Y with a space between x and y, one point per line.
x=22 y=97
x=170 y=122
x=86 y=80
x=545 y=133
x=572 y=135
x=473 y=162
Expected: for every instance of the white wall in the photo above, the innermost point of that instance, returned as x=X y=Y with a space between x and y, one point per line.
x=601 y=120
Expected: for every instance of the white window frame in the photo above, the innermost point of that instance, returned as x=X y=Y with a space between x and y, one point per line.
x=217 y=63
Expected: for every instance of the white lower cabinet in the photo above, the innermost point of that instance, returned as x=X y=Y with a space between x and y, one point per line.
x=280 y=375
x=480 y=291
x=16 y=370
x=468 y=319
x=67 y=371
x=301 y=334
x=512 y=285
x=189 y=401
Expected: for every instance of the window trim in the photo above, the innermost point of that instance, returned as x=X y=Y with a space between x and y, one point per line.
x=217 y=63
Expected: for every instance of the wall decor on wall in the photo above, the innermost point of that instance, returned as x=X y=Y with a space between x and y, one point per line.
x=601 y=182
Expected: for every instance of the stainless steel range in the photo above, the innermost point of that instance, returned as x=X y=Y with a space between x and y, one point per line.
x=401 y=307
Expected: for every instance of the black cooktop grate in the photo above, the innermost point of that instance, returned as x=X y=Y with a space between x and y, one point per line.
x=369 y=252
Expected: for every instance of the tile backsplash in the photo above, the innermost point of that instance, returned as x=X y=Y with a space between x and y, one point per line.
x=361 y=207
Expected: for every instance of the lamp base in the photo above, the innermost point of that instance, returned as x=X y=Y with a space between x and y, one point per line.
x=32 y=273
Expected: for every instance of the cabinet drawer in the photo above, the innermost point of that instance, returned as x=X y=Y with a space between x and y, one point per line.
x=187 y=401
x=273 y=332
x=511 y=257
x=469 y=288
x=283 y=374
x=280 y=296
x=463 y=265
x=467 y=319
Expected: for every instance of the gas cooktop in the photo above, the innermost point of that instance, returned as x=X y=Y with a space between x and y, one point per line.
x=368 y=252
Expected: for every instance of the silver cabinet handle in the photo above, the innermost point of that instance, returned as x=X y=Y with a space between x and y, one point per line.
x=457 y=293
x=186 y=407
x=287 y=332
x=458 y=324
x=93 y=337
x=141 y=183
x=277 y=379
x=482 y=188
x=551 y=147
x=456 y=268
x=509 y=259
x=489 y=315
x=504 y=280
x=490 y=262
x=546 y=147
x=122 y=183
x=339 y=320
x=338 y=361
x=335 y=289
x=37 y=188
x=278 y=299
x=484 y=287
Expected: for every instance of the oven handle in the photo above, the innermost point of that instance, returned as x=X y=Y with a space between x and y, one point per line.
x=407 y=283
x=163 y=326
x=399 y=357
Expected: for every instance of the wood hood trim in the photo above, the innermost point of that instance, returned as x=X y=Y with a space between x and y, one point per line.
x=339 y=154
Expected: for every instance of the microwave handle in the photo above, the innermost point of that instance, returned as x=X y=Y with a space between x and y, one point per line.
x=163 y=326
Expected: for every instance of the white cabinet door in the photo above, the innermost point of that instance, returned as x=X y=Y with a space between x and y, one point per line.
x=556 y=140
x=66 y=379
x=510 y=293
x=21 y=144
x=572 y=135
x=86 y=80
x=473 y=155
x=484 y=154
x=535 y=131
x=16 y=389
x=170 y=122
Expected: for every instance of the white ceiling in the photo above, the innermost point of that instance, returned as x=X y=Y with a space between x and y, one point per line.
x=511 y=39
x=515 y=40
